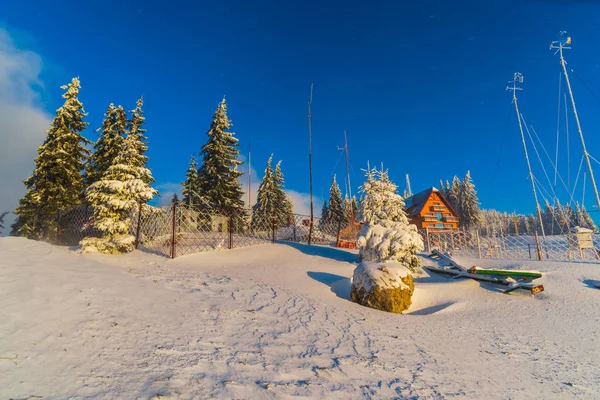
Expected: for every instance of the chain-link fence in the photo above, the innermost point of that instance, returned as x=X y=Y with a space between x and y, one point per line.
x=569 y=247
x=178 y=229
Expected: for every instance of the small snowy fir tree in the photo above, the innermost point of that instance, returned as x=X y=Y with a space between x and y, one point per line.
x=583 y=218
x=443 y=189
x=175 y=199
x=337 y=218
x=109 y=143
x=265 y=209
x=57 y=181
x=469 y=204
x=119 y=191
x=386 y=233
x=191 y=185
x=135 y=130
x=218 y=176
x=283 y=205
x=2 y=220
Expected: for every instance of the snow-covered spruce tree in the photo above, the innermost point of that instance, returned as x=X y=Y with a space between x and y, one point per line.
x=386 y=233
x=175 y=199
x=454 y=195
x=469 y=204
x=336 y=207
x=135 y=130
x=443 y=189
x=191 y=185
x=265 y=210
x=218 y=176
x=113 y=197
x=583 y=218
x=324 y=215
x=109 y=143
x=283 y=205
x=57 y=181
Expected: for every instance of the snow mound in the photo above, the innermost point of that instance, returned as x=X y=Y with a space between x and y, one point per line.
x=386 y=287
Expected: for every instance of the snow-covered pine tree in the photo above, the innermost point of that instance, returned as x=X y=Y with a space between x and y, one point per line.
x=113 y=197
x=218 y=176
x=583 y=218
x=386 y=233
x=265 y=210
x=191 y=185
x=135 y=130
x=57 y=182
x=284 y=206
x=443 y=189
x=175 y=199
x=469 y=204
x=109 y=143
x=336 y=206
x=324 y=215
x=454 y=195
x=2 y=220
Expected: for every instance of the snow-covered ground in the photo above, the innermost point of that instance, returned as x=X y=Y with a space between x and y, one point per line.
x=274 y=321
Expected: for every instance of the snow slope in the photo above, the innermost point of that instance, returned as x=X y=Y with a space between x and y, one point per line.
x=273 y=321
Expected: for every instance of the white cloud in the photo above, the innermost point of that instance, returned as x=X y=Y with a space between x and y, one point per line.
x=23 y=121
x=167 y=190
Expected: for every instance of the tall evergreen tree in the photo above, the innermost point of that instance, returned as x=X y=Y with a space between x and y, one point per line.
x=443 y=189
x=324 y=215
x=109 y=143
x=336 y=205
x=454 y=195
x=469 y=204
x=284 y=206
x=113 y=197
x=191 y=187
x=218 y=175
x=583 y=218
x=2 y=220
x=57 y=181
x=135 y=130
x=175 y=199
x=265 y=210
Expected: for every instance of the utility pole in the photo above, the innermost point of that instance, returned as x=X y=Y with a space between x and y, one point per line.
x=345 y=149
x=518 y=78
x=565 y=39
x=310 y=231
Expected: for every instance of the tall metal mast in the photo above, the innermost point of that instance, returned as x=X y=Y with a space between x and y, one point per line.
x=518 y=78
x=409 y=192
x=345 y=149
x=310 y=166
x=249 y=177
x=560 y=45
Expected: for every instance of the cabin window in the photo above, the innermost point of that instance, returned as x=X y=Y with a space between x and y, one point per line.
x=435 y=203
x=438 y=216
x=448 y=225
x=439 y=225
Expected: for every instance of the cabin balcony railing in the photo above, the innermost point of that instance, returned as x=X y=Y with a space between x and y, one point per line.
x=450 y=219
x=430 y=218
x=438 y=208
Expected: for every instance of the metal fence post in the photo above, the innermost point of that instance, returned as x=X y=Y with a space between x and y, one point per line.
x=273 y=228
x=139 y=225
x=230 y=229
x=537 y=243
x=337 y=238
x=478 y=244
x=58 y=229
x=173 y=229
x=428 y=240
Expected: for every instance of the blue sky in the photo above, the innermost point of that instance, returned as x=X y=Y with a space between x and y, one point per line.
x=419 y=87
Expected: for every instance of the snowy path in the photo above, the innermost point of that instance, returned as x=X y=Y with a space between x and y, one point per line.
x=271 y=321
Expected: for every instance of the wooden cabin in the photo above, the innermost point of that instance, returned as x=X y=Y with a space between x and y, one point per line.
x=431 y=210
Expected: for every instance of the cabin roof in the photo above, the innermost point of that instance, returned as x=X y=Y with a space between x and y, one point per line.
x=414 y=204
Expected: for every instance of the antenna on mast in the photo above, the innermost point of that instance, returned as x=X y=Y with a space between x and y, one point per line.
x=345 y=149
x=560 y=44
x=518 y=78
x=310 y=165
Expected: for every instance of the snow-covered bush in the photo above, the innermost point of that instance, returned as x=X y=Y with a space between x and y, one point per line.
x=386 y=233
x=386 y=287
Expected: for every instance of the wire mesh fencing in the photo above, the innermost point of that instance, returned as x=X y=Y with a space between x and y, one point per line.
x=569 y=247
x=178 y=229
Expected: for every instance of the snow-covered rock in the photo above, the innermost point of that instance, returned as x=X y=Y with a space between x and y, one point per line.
x=386 y=287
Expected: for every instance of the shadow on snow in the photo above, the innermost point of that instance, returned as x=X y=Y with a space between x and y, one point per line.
x=340 y=285
x=323 y=251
